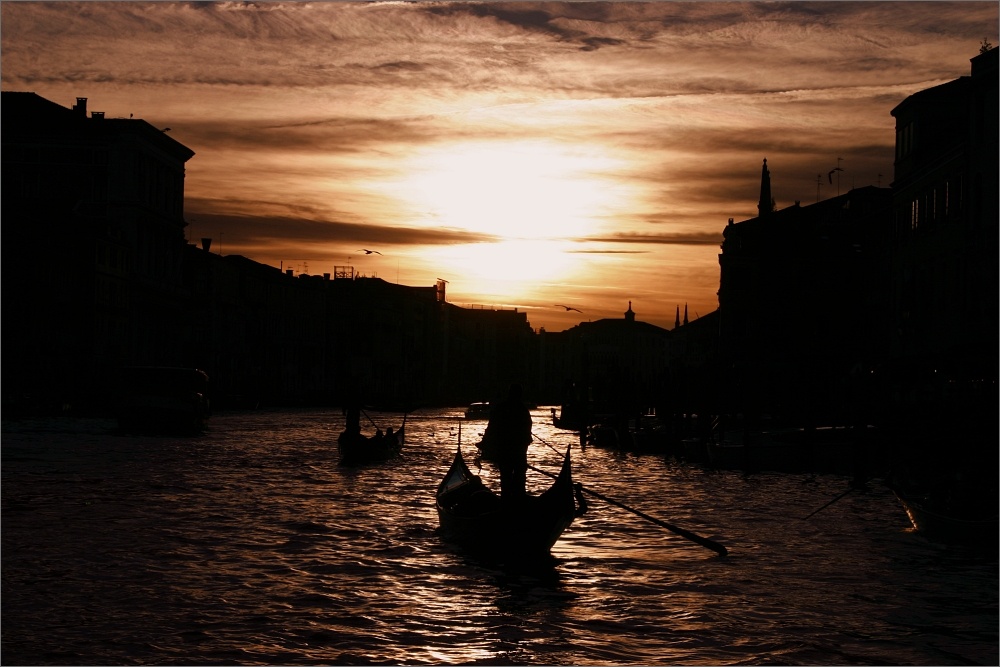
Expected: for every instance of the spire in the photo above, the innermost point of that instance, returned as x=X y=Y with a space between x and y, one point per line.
x=685 y=313
x=765 y=205
x=677 y=318
x=629 y=315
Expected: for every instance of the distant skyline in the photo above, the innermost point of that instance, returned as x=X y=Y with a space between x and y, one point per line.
x=531 y=154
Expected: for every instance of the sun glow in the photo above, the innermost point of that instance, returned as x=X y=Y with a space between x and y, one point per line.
x=528 y=199
x=504 y=271
x=517 y=190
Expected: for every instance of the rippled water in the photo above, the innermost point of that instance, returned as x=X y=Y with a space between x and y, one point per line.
x=250 y=545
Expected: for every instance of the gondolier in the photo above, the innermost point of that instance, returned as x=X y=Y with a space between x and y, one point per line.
x=508 y=434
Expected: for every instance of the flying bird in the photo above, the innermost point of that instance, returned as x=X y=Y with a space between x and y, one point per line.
x=568 y=308
x=368 y=252
x=829 y=175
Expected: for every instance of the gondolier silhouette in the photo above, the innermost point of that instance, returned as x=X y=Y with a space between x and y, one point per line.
x=509 y=434
x=352 y=423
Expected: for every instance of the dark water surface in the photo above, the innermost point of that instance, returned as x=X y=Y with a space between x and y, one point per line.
x=250 y=545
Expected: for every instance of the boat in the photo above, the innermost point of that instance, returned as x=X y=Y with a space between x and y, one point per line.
x=359 y=449
x=949 y=507
x=648 y=434
x=575 y=413
x=474 y=518
x=478 y=411
x=570 y=418
x=832 y=450
x=162 y=399
x=940 y=523
x=605 y=434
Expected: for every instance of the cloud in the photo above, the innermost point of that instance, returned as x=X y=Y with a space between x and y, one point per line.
x=308 y=120
x=697 y=239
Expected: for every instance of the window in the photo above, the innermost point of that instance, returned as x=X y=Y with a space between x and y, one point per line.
x=904 y=140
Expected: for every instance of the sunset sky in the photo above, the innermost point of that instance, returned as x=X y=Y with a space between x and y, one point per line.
x=531 y=154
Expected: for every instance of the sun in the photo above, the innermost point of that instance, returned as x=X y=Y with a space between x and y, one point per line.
x=513 y=190
x=530 y=201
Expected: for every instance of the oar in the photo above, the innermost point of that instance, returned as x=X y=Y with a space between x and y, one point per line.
x=697 y=539
x=369 y=419
x=849 y=489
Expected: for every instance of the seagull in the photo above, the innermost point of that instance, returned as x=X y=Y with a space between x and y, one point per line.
x=568 y=308
x=368 y=252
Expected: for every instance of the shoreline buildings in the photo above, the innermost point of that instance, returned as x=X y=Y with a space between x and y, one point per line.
x=822 y=308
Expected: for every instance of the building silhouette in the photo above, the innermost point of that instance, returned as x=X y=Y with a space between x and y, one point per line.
x=98 y=276
x=798 y=302
x=938 y=381
x=943 y=246
x=620 y=365
x=93 y=246
x=880 y=303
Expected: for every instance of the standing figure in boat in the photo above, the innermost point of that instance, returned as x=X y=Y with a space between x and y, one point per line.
x=352 y=422
x=508 y=435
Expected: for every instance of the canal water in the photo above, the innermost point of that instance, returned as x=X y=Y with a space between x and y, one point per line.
x=250 y=545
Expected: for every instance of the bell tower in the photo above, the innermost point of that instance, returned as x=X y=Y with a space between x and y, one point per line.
x=765 y=205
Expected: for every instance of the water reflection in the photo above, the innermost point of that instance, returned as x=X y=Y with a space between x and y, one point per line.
x=250 y=545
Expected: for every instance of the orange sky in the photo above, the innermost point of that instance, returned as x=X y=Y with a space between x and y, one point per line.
x=531 y=154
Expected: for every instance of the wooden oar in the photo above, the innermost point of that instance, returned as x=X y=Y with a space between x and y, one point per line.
x=369 y=419
x=698 y=539
x=849 y=489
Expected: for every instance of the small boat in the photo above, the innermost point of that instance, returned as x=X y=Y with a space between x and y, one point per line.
x=648 y=434
x=570 y=418
x=478 y=411
x=475 y=518
x=942 y=520
x=607 y=433
x=359 y=449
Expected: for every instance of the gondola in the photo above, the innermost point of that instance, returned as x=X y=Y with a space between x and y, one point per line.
x=474 y=517
x=478 y=411
x=359 y=449
x=948 y=503
x=974 y=525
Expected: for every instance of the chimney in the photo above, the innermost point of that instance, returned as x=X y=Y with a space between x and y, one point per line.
x=206 y=244
x=99 y=115
x=81 y=107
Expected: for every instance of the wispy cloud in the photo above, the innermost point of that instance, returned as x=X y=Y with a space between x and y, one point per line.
x=312 y=123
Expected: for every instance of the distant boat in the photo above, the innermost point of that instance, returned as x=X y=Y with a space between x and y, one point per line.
x=478 y=411
x=572 y=417
x=162 y=399
x=648 y=434
x=359 y=449
x=476 y=519
x=972 y=525
x=950 y=508
x=822 y=449
x=605 y=433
